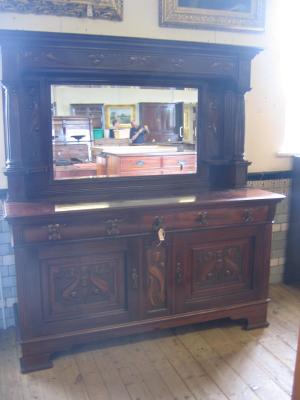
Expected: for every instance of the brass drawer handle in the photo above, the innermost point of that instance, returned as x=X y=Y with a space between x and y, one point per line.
x=179 y=273
x=248 y=216
x=54 y=231
x=112 y=227
x=140 y=163
x=181 y=163
x=202 y=218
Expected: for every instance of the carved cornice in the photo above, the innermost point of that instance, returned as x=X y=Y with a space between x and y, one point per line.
x=198 y=64
x=102 y=9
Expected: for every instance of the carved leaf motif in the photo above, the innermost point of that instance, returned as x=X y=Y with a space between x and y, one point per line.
x=32 y=114
x=85 y=284
x=217 y=266
x=222 y=66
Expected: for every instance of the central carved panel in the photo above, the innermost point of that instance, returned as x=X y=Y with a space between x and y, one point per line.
x=156 y=277
x=217 y=265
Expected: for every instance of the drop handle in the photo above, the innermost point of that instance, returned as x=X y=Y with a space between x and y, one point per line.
x=248 y=216
x=179 y=273
x=181 y=163
x=202 y=218
x=134 y=278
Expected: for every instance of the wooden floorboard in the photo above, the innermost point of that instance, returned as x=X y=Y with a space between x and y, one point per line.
x=212 y=361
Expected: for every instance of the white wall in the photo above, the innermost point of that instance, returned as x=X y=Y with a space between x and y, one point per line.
x=63 y=96
x=264 y=104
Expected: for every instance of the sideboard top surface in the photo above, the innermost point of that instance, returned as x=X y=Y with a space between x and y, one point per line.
x=210 y=199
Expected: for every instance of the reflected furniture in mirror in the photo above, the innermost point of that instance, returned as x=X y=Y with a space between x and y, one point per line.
x=129 y=237
x=135 y=137
x=71 y=147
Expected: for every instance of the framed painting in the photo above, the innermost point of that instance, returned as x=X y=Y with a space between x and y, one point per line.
x=103 y=9
x=122 y=113
x=236 y=15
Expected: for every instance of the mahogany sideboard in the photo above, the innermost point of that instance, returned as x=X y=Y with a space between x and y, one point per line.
x=90 y=271
x=131 y=253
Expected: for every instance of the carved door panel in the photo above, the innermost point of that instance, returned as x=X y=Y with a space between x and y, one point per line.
x=156 y=271
x=88 y=284
x=214 y=268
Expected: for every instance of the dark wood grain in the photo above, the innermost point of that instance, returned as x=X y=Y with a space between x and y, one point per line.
x=32 y=61
x=89 y=274
x=100 y=258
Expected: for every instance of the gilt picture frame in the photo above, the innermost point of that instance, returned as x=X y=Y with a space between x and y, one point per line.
x=124 y=113
x=229 y=15
x=97 y=9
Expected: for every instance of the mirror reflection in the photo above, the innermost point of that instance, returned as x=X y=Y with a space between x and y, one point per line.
x=111 y=131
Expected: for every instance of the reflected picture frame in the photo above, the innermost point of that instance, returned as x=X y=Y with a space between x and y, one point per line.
x=227 y=15
x=97 y=9
x=125 y=113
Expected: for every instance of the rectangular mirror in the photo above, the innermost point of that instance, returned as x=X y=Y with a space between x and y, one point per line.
x=104 y=131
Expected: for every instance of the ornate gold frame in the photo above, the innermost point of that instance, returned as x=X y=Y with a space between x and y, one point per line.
x=107 y=112
x=173 y=15
x=102 y=9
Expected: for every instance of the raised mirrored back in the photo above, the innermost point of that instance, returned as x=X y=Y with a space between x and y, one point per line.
x=112 y=131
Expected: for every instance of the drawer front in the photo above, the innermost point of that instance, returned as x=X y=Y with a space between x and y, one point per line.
x=179 y=161
x=179 y=164
x=140 y=163
x=75 y=230
x=145 y=223
x=208 y=217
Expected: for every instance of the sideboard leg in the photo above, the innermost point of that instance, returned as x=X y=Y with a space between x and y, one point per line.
x=36 y=362
x=256 y=321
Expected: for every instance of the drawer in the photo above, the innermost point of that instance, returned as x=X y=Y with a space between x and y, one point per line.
x=180 y=160
x=179 y=164
x=184 y=169
x=208 y=217
x=143 y=163
x=135 y=224
x=71 y=230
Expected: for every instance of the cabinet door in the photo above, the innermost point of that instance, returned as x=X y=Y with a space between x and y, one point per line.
x=219 y=267
x=161 y=120
x=155 y=262
x=84 y=285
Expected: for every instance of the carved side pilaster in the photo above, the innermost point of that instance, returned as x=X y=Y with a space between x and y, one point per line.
x=229 y=123
x=211 y=115
x=14 y=160
x=32 y=126
x=239 y=128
